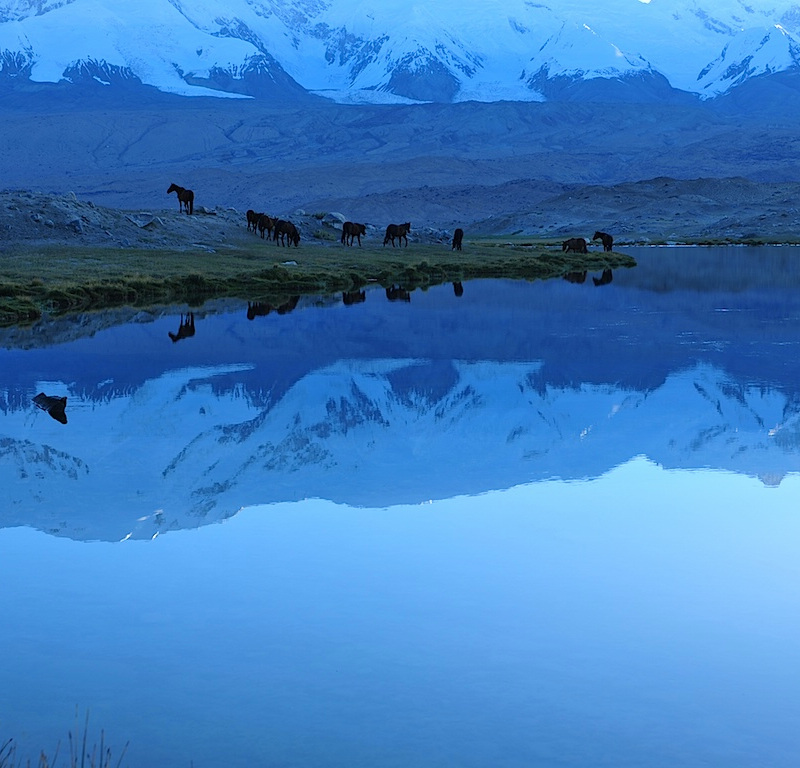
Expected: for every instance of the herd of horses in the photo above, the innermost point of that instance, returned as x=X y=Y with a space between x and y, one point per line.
x=284 y=232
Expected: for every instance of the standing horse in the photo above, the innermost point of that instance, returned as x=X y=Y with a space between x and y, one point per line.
x=605 y=238
x=252 y=220
x=185 y=197
x=265 y=222
x=458 y=236
x=351 y=230
x=399 y=231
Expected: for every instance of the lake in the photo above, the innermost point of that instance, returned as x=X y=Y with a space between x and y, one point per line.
x=498 y=523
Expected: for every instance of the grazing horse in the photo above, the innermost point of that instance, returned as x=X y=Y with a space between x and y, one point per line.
x=605 y=238
x=185 y=329
x=605 y=279
x=575 y=244
x=55 y=406
x=286 y=233
x=351 y=230
x=458 y=236
x=185 y=197
x=265 y=222
x=399 y=231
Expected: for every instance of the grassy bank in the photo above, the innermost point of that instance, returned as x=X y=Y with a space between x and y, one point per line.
x=57 y=280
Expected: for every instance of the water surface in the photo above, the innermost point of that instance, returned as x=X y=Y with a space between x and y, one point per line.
x=546 y=523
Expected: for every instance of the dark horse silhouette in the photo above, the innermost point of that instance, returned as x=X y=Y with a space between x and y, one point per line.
x=399 y=231
x=396 y=293
x=605 y=238
x=263 y=308
x=606 y=278
x=458 y=236
x=575 y=244
x=252 y=220
x=458 y=289
x=185 y=197
x=575 y=277
x=286 y=233
x=185 y=329
x=55 y=406
x=351 y=230
x=353 y=297
x=263 y=223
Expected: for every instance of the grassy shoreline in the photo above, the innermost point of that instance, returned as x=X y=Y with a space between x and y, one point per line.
x=57 y=280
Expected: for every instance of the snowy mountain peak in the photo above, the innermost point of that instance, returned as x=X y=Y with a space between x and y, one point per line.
x=752 y=52
x=354 y=50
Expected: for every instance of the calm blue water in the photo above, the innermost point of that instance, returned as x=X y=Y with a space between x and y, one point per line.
x=535 y=524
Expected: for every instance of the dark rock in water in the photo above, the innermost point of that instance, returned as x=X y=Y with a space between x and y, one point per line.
x=55 y=406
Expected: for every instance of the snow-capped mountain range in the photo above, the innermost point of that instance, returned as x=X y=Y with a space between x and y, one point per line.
x=354 y=51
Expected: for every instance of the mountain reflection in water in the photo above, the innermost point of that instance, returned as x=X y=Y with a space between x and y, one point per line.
x=606 y=573
x=690 y=359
